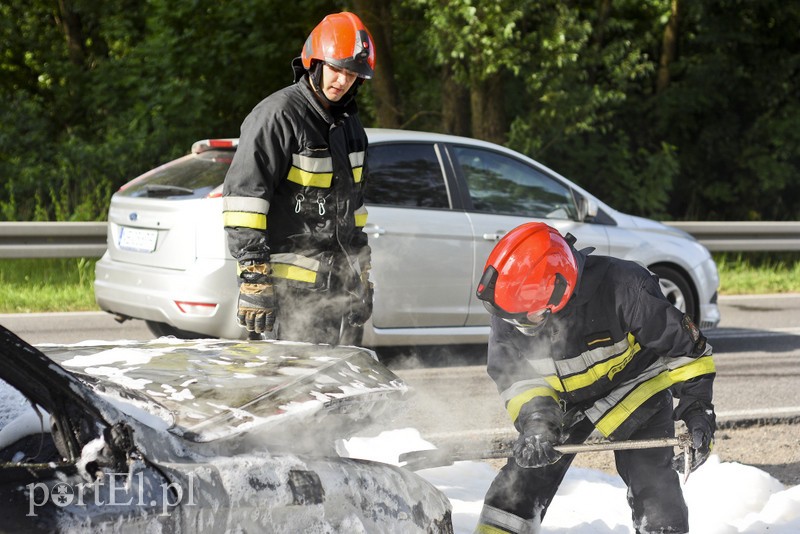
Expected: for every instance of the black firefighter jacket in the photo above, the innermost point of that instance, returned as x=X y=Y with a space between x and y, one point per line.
x=293 y=196
x=609 y=352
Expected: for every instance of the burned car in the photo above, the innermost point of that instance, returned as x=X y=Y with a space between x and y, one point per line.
x=201 y=436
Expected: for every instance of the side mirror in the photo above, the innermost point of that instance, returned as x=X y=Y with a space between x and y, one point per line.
x=587 y=209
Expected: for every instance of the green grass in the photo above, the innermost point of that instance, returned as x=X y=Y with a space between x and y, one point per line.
x=46 y=285
x=752 y=273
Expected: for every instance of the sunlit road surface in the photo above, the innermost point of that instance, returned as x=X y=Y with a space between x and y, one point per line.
x=756 y=349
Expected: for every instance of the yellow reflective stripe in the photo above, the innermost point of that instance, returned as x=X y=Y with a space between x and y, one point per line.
x=244 y=219
x=489 y=529
x=608 y=368
x=357 y=163
x=361 y=215
x=701 y=366
x=306 y=178
x=291 y=258
x=495 y=521
x=515 y=404
x=521 y=386
x=554 y=382
x=254 y=204
x=617 y=415
x=585 y=360
x=292 y=272
x=245 y=212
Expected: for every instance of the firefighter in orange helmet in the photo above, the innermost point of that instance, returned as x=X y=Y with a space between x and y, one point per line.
x=582 y=343
x=293 y=199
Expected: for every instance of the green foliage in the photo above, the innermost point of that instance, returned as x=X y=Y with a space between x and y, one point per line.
x=139 y=84
x=95 y=93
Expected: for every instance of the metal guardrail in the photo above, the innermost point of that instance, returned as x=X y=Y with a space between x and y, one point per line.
x=88 y=239
x=744 y=236
x=52 y=239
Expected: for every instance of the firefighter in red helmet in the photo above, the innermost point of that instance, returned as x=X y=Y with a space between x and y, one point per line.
x=584 y=343
x=293 y=198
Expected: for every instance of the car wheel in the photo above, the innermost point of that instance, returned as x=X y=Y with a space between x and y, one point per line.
x=163 y=329
x=676 y=289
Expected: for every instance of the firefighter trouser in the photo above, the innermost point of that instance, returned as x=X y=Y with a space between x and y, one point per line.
x=315 y=316
x=517 y=499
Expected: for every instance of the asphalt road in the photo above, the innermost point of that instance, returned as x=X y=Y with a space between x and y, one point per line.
x=756 y=348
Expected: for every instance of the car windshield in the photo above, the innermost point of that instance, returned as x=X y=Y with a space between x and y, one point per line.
x=191 y=177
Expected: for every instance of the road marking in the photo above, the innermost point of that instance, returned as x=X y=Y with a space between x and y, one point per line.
x=737 y=333
x=759 y=296
x=760 y=412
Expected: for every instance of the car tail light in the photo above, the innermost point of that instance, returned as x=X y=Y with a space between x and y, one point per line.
x=208 y=144
x=204 y=309
x=216 y=192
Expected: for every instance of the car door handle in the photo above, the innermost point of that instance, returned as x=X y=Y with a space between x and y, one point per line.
x=495 y=236
x=374 y=230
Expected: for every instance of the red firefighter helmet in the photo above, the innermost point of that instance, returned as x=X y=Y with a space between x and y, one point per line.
x=343 y=41
x=531 y=273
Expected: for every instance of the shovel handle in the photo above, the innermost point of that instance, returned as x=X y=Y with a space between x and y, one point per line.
x=440 y=457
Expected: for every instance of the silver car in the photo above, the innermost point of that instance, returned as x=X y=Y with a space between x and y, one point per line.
x=437 y=206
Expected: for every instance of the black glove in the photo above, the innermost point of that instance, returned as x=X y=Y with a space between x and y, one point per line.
x=361 y=300
x=541 y=432
x=257 y=305
x=701 y=423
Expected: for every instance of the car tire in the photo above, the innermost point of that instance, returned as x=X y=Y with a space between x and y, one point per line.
x=677 y=289
x=163 y=330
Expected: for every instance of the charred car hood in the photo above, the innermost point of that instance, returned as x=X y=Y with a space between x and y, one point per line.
x=205 y=390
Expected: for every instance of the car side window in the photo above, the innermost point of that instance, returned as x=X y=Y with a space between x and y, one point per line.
x=405 y=174
x=503 y=185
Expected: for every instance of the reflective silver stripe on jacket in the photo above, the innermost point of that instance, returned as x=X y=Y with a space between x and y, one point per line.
x=610 y=412
x=308 y=171
x=293 y=266
x=496 y=521
x=357 y=164
x=518 y=388
x=247 y=212
x=588 y=367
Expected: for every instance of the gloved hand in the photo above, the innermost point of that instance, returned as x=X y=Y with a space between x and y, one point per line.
x=257 y=305
x=361 y=301
x=701 y=423
x=541 y=432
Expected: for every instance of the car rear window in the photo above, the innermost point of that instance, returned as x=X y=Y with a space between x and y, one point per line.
x=186 y=178
x=405 y=174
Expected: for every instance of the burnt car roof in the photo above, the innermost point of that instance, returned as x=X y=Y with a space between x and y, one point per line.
x=207 y=389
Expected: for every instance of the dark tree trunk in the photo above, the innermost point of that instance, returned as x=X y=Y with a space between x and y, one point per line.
x=377 y=16
x=669 y=48
x=488 y=110
x=70 y=24
x=455 y=105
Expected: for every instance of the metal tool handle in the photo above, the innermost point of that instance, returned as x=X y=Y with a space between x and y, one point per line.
x=440 y=457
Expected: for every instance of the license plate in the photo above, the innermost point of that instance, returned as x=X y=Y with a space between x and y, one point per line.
x=137 y=239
